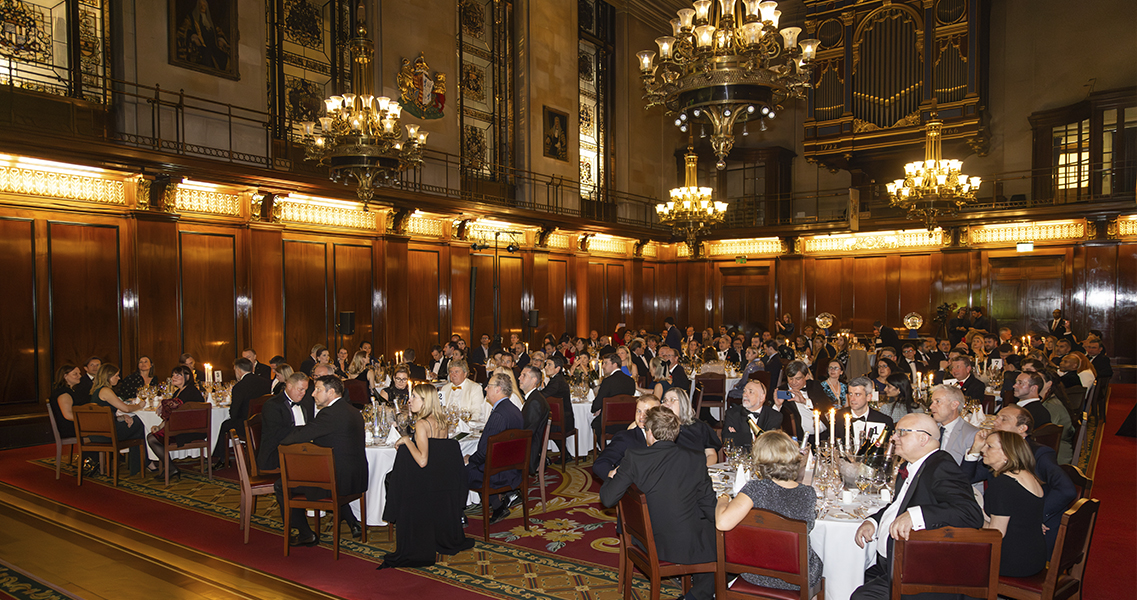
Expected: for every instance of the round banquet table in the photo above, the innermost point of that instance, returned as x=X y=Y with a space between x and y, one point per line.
x=150 y=419
x=380 y=461
x=844 y=562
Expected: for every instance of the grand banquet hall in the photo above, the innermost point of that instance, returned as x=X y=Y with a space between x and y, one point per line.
x=309 y=240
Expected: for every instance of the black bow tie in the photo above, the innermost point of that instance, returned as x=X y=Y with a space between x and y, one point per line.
x=864 y=419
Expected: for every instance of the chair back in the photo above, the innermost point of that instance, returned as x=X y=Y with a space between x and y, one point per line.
x=636 y=536
x=308 y=465
x=239 y=455
x=761 y=375
x=479 y=373
x=988 y=403
x=191 y=417
x=766 y=543
x=618 y=410
x=1072 y=545
x=714 y=384
x=697 y=395
x=93 y=419
x=1081 y=481
x=508 y=451
x=556 y=411
x=1048 y=435
x=948 y=560
x=257 y=404
x=357 y=392
x=253 y=438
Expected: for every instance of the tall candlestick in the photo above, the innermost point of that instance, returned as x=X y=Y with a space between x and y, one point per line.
x=832 y=421
x=848 y=430
x=208 y=372
x=817 y=429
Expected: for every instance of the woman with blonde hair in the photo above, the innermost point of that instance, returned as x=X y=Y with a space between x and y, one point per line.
x=360 y=368
x=427 y=488
x=126 y=426
x=777 y=461
x=628 y=366
x=1013 y=503
x=694 y=434
x=283 y=372
x=661 y=381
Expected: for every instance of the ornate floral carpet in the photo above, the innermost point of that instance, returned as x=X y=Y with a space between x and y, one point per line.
x=15 y=584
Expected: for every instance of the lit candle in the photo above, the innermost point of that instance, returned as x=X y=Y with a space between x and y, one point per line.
x=817 y=429
x=832 y=420
x=208 y=372
x=848 y=429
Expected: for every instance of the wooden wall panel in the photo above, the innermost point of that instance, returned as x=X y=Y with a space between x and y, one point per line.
x=666 y=304
x=266 y=280
x=696 y=286
x=650 y=319
x=19 y=369
x=305 y=299
x=1121 y=341
x=870 y=298
x=827 y=275
x=352 y=291
x=616 y=298
x=459 y=292
x=209 y=299
x=511 y=318
x=915 y=283
x=158 y=320
x=596 y=308
x=86 y=294
x=482 y=272
x=746 y=297
x=554 y=315
x=423 y=321
x=791 y=288
x=1024 y=289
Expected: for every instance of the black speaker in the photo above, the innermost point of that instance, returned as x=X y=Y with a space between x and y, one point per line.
x=533 y=315
x=347 y=322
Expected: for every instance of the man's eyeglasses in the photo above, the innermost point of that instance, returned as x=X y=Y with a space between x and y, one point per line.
x=900 y=432
x=401 y=379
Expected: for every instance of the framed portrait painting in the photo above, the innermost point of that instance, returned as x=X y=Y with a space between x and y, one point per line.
x=203 y=36
x=555 y=132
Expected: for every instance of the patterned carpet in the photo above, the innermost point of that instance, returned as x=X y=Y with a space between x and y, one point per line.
x=15 y=584
x=569 y=553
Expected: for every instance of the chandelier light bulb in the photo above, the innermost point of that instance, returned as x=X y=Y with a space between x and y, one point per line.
x=727 y=8
x=646 y=58
x=412 y=131
x=326 y=124
x=686 y=16
x=809 y=48
x=683 y=117
x=962 y=179
x=367 y=100
x=789 y=35
x=678 y=122
x=753 y=10
x=702 y=10
x=726 y=112
x=697 y=112
x=384 y=102
x=975 y=181
x=422 y=137
x=777 y=17
x=665 y=43
x=752 y=34
x=750 y=109
x=683 y=128
x=704 y=36
x=330 y=105
x=349 y=102
x=767 y=9
x=765 y=110
x=676 y=28
x=309 y=127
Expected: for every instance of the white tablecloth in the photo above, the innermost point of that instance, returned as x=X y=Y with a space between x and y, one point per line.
x=844 y=562
x=582 y=418
x=380 y=461
x=151 y=419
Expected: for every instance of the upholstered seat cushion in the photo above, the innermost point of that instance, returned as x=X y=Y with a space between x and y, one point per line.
x=745 y=587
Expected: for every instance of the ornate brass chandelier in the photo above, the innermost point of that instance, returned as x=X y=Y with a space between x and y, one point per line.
x=725 y=66
x=360 y=138
x=932 y=187
x=691 y=209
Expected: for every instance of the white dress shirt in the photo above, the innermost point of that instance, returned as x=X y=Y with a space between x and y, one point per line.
x=468 y=396
x=297 y=412
x=893 y=509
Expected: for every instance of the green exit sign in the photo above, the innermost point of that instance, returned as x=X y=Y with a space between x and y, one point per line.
x=740 y=260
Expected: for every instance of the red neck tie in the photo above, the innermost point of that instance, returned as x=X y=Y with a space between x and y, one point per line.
x=904 y=472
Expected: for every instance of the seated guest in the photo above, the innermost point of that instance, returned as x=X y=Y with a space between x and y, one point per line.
x=1013 y=503
x=243 y=392
x=640 y=360
x=339 y=426
x=557 y=387
x=833 y=385
x=1076 y=370
x=755 y=412
x=931 y=493
x=660 y=381
x=1057 y=489
x=1100 y=361
x=187 y=360
x=633 y=437
x=884 y=368
x=823 y=354
x=182 y=380
x=534 y=412
x=127 y=427
x=736 y=355
x=504 y=416
x=283 y=372
x=614 y=383
x=1028 y=388
x=481 y=353
x=777 y=462
x=961 y=369
x=62 y=398
x=626 y=365
x=341 y=363
x=711 y=362
x=417 y=372
x=956 y=434
x=309 y=363
x=694 y=433
x=867 y=422
x=398 y=393
x=360 y=368
x=537 y=359
x=806 y=395
x=753 y=363
x=508 y=371
x=462 y=393
x=909 y=362
x=285 y=412
x=1059 y=415
x=897 y=399
x=675 y=370
x=259 y=369
x=83 y=388
x=365 y=346
x=428 y=489
x=521 y=356
x=680 y=497
x=129 y=386
x=438 y=366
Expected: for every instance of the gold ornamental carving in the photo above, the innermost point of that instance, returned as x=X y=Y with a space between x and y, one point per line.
x=1013 y=233
x=50 y=184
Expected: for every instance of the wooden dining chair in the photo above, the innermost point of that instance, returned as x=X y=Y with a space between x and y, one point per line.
x=60 y=442
x=714 y=392
x=253 y=426
x=312 y=466
x=949 y=560
x=93 y=420
x=1083 y=483
x=541 y=465
x=765 y=543
x=760 y=375
x=506 y=451
x=637 y=548
x=1063 y=576
x=557 y=416
x=191 y=418
x=357 y=392
x=1049 y=435
x=256 y=405
x=252 y=485
x=617 y=410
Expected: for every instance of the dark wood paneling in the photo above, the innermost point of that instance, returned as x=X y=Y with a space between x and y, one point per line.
x=650 y=315
x=827 y=275
x=791 y=277
x=615 y=294
x=1121 y=341
x=158 y=322
x=666 y=304
x=423 y=320
x=696 y=284
x=482 y=272
x=459 y=292
x=915 y=282
x=352 y=286
x=746 y=297
x=209 y=299
x=956 y=278
x=595 y=309
x=510 y=297
x=86 y=294
x=305 y=299
x=18 y=343
x=870 y=298
x=266 y=280
x=555 y=313
x=1025 y=289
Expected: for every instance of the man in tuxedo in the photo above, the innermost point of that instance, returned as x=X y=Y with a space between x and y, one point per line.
x=243 y=391
x=520 y=356
x=671 y=337
x=940 y=355
x=885 y=336
x=1058 y=490
x=956 y=434
x=736 y=354
x=925 y=351
x=281 y=416
x=417 y=372
x=505 y=415
x=773 y=365
x=679 y=379
x=807 y=396
x=310 y=362
x=534 y=412
x=910 y=363
x=464 y=393
x=755 y=411
x=636 y=349
x=1028 y=389
x=651 y=347
x=259 y=369
x=866 y=422
x=557 y=387
x=481 y=354
x=633 y=437
x=691 y=336
x=439 y=363
x=1100 y=361
x=83 y=388
x=187 y=360
x=615 y=383
x=680 y=497
x=931 y=493
x=1059 y=327
x=961 y=369
x=594 y=339
x=338 y=425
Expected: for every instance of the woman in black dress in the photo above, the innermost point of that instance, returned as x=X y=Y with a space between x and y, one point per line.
x=129 y=386
x=1013 y=501
x=184 y=391
x=884 y=368
x=428 y=489
x=399 y=390
x=694 y=434
x=62 y=399
x=360 y=368
x=127 y=427
x=341 y=363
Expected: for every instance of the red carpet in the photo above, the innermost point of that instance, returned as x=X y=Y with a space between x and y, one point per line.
x=1112 y=568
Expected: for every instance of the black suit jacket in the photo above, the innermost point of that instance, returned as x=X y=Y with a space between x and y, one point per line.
x=873 y=416
x=480 y=355
x=973 y=388
x=443 y=367
x=522 y=360
x=417 y=372
x=1102 y=366
x=504 y=416
x=888 y=337
x=557 y=387
x=934 y=360
x=277 y=387
x=262 y=370
x=534 y=415
x=680 y=499
x=307 y=366
x=277 y=421
x=615 y=450
x=942 y=493
x=736 y=418
x=734 y=356
x=671 y=338
x=82 y=390
x=339 y=427
x=1039 y=413
x=679 y=379
x=613 y=385
x=245 y=390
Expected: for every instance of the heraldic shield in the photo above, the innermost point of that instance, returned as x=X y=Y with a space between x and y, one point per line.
x=422 y=95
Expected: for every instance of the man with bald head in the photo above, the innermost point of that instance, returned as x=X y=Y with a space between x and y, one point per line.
x=931 y=492
x=755 y=411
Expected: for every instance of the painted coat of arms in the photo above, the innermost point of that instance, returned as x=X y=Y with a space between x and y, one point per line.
x=422 y=95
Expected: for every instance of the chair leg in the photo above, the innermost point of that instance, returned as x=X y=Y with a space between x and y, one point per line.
x=525 y=500
x=541 y=482
x=79 y=471
x=335 y=532
x=576 y=446
x=248 y=505
x=363 y=513
x=287 y=523
x=58 y=458
x=114 y=467
x=486 y=513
